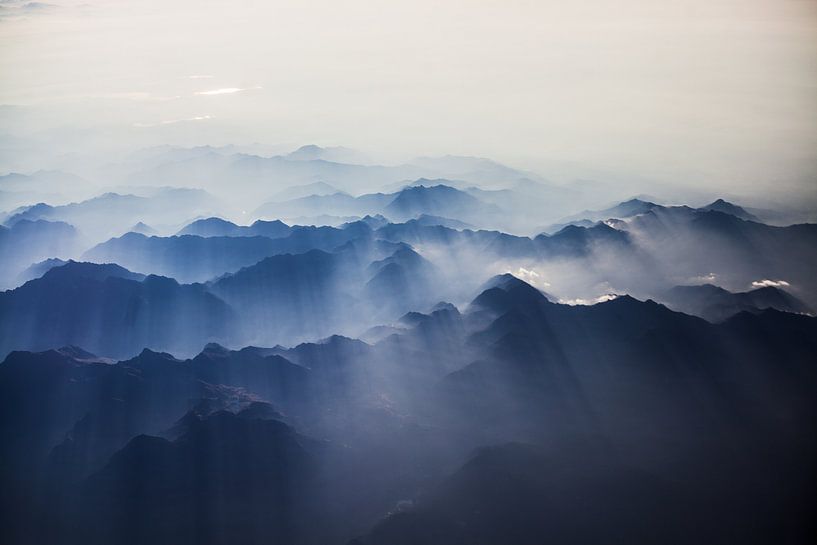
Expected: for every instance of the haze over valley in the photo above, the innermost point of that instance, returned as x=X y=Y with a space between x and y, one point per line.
x=478 y=274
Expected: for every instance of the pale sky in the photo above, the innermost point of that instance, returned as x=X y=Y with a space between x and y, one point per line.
x=695 y=92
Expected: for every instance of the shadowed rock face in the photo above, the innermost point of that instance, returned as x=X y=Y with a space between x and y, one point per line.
x=621 y=421
x=111 y=311
x=227 y=477
x=717 y=304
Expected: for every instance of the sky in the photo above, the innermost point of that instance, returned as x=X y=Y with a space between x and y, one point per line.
x=696 y=93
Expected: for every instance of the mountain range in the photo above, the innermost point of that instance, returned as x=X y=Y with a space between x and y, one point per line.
x=250 y=344
x=578 y=403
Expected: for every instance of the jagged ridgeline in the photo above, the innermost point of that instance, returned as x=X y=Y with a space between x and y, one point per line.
x=440 y=352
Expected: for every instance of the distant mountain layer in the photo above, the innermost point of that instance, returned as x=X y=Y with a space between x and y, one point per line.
x=721 y=205
x=112 y=214
x=299 y=191
x=216 y=227
x=114 y=312
x=635 y=207
x=350 y=171
x=717 y=304
x=25 y=242
x=645 y=254
x=408 y=203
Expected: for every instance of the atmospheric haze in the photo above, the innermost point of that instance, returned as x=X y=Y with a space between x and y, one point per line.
x=389 y=273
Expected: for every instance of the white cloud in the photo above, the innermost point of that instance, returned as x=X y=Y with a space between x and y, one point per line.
x=704 y=279
x=172 y=121
x=766 y=283
x=600 y=299
x=140 y=96
x=201 y=76
x=530 y=276
x=226 y=90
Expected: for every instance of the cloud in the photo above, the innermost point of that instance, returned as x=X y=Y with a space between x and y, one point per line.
x=600 y=299
x=172 y=121
x=766 y=283
x=201 y=76
x=703 y=279
x=140 y=96
x=530 y=276
x=226 y=90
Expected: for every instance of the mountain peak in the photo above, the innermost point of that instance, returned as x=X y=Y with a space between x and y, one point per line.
x=215 y=349
x=726 y=207
x=504 y=292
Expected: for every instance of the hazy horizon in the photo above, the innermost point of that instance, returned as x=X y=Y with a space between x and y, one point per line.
x=701 y=97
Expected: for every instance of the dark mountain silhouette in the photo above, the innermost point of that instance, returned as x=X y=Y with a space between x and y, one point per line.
x=640 y=420
x=216 y=227
x=188 y=258
x=717 y=304
x=505 y=292
x=570 y=500
x=366 y=406
x=736 y=251
x=401 y=281
x=274 y=378
x=292 y=295
x=622 y=210
x=228 y=478
x=547 y=357
x=438 y=200
x=64 y=412
x=576 y=494
x=726 y=207
x=642 y=363
x=574 y=240
x=194 y=258
x=110 y=311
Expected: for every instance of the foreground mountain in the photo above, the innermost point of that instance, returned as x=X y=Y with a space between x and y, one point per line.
x=231 y=479
x=584 y=493
x=634 y=420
